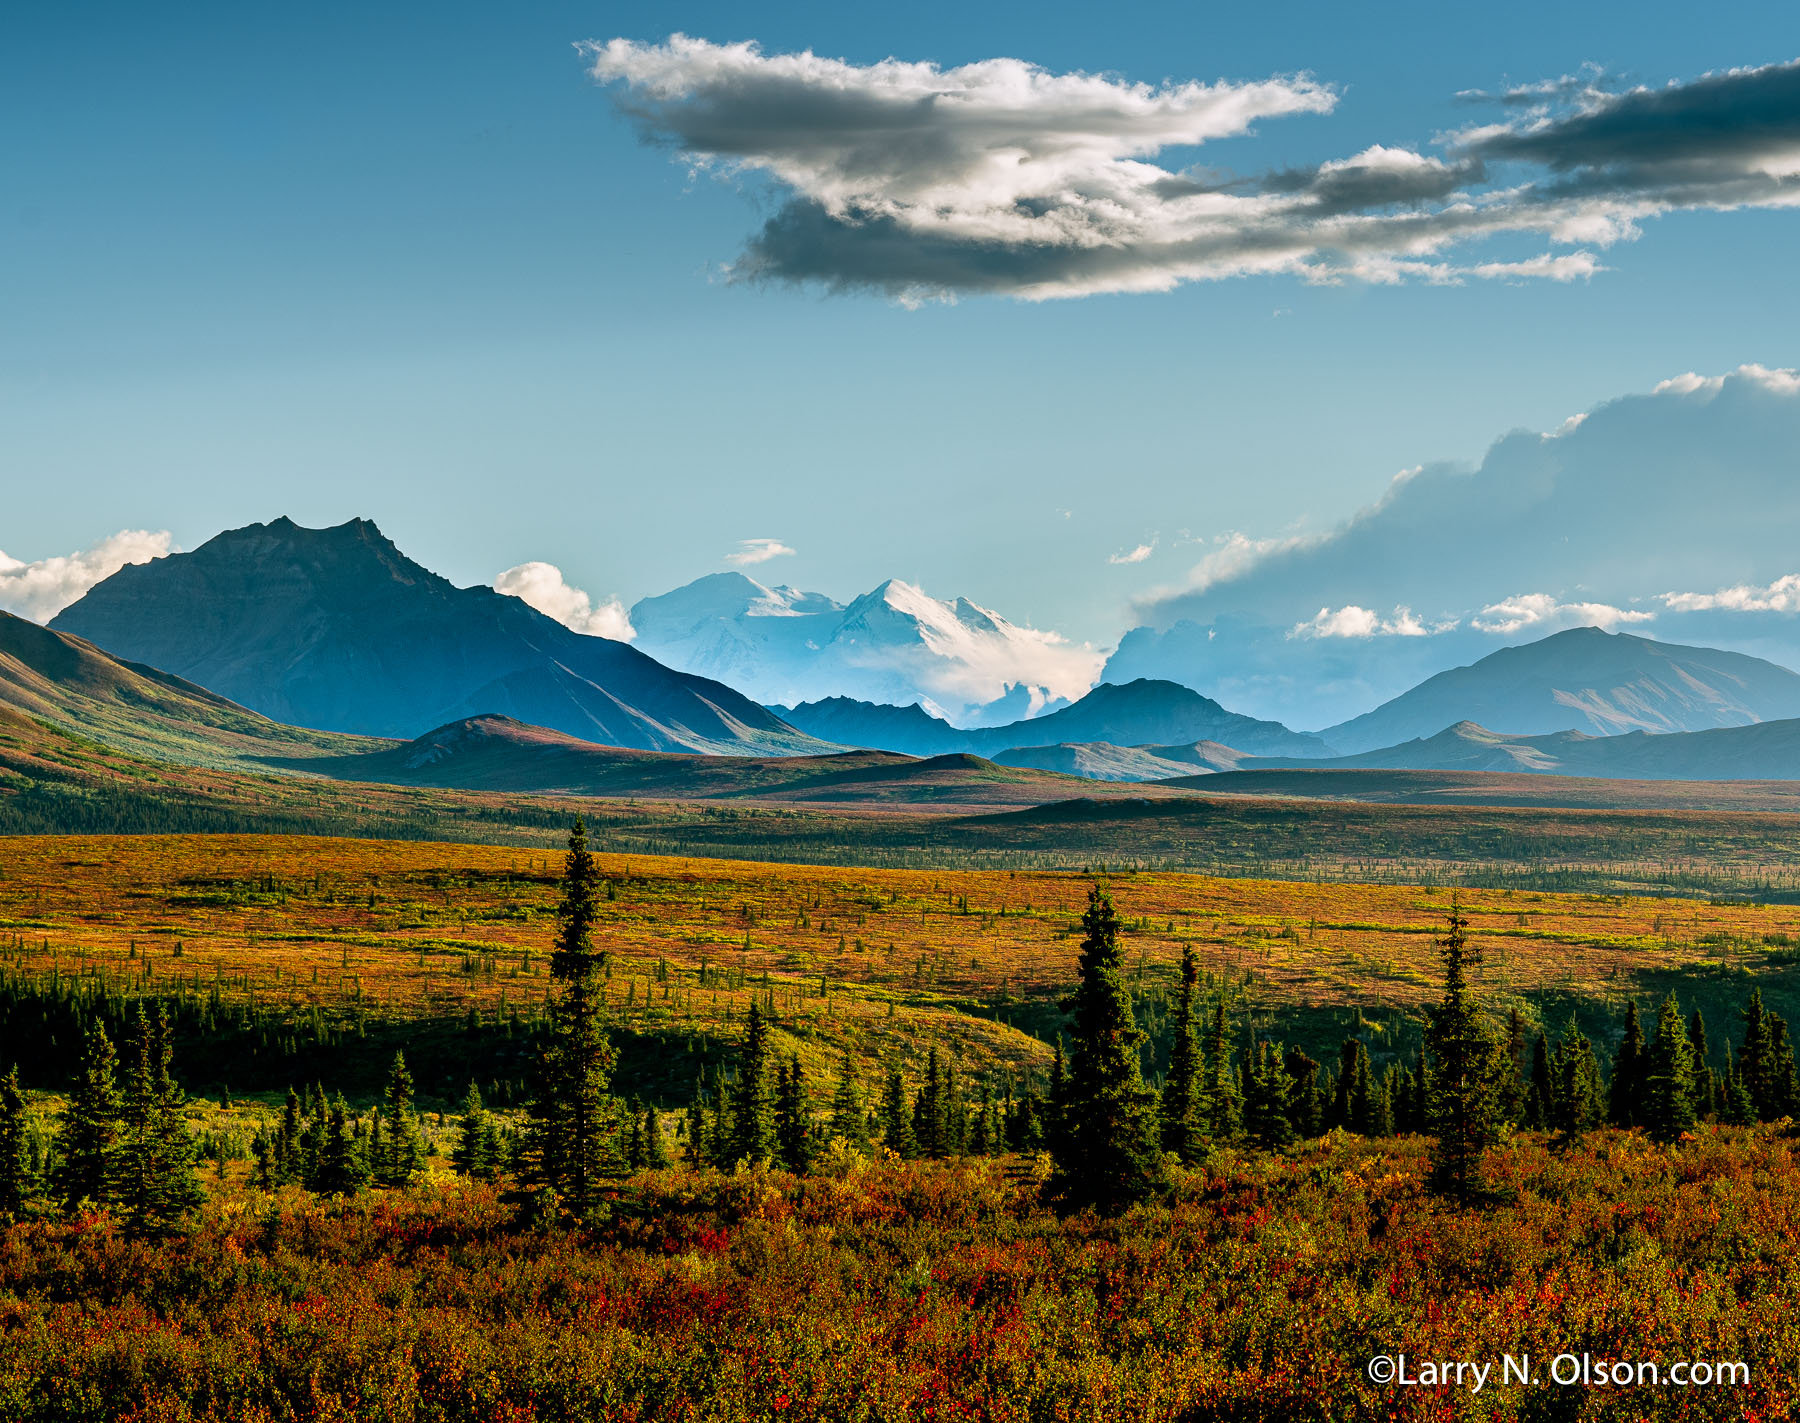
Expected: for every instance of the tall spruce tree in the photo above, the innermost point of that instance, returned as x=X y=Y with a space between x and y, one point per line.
x=1354 y=1108
x=401 y=1154
x=158 y=1182
x=1111 y=1155
x=1541 y=1093
x=478 y=1150
x=571 y=1147
x=1578 y=1100
x=1705 y=1084
x=1625 y=1097
x=1305 y=1109
x=343 y=1168
x=1668 y=1101
x=896 y=1116
x=1517 y=1079
x=1179 y=1115
x=1467 y=1075
x=18 y=1182
x=752 y=1129
x=1222 y=1099
x=1267 y=1103
x=655 y=1148
x=849 y=1115
x=88 y=1154
x=795 y=1140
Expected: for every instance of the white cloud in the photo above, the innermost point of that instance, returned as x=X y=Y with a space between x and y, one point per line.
x=543 y=587
x=1541 y=613
x=998 y=176
x=1353 y=621
x=1136 y=555
x=758 y=551
x=41 y=590
x=1781 y=596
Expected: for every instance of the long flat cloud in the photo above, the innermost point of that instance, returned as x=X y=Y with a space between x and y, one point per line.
x=919 y=181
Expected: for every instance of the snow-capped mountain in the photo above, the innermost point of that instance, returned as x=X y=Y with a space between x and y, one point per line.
x=897 y=644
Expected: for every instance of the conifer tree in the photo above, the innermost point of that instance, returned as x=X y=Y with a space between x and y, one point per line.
x=896 y=1117
x=1668 y=1102
x=88 y=1142
x=1110 y=1154
x=1024 y=1123
x=849 y=1115
x=18 y=1182
x=984 y=1129
x=1178 y=1112
x=1054 y=1116
x=794 y=1141
x=158 y=1182
x=1305 y=1109
x=1624 y=1103
x=1541 y=1093
x=955 y=1114
x=1266 y=1104
x=1222 y=1099
x=478 y=1150
x=571 y=1148
x=401 y=1154
x=655 y=1149
x=752 y=1129
x=1513 y=1092
x=1785 y=1090
x=1355 y=1109
x=1755 y=1059
x=1467 y=1075
x=1705 y=1090
x=928 y=1123
x=342 y=1169
x=1578 y=1101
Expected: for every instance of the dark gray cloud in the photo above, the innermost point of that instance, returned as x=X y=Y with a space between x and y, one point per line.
x=920 y=182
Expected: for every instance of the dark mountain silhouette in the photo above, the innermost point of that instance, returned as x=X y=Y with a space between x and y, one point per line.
x=336 y=628
x=1138 y=713
x=1583 y=680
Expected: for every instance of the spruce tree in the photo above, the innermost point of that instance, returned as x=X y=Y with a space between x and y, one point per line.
x=1305 y=1109
x=1178 y=1112
x=928 y=1124
x=655 y=1149
x=401 y=1155
x=571 y=1149
x=342 y=1169
x=1541 y=1094
x=896 y=1117
x=1578 y=1099
x=88 y=1155
x=1705 y=1089
x=1624 y=1103
x=1467 y=1075
x=1222 y=1098
x=1267 y=1103
x=1516 y=1086
x=752 y=1129
x=1668 y=1102
x=1111 y=1155
x=794 y=1140
x=158 y=1182
x=477 y=1151
x=849 y=1115
x=18 y=1182
x=1355 y=1108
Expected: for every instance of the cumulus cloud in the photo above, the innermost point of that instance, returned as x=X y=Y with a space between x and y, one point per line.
x=1352 y=621
x=41 y=590
x=751 y=551
x=542 y=585
x=1136 y=555
x=1780 y=596
x=924 y=182
x=1543 y=614
x=1689 y=488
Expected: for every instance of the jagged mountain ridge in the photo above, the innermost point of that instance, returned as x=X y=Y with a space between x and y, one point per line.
x=1140 y=713
x=337 y=629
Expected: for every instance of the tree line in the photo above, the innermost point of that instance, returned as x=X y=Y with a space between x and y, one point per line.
x=123 y=1142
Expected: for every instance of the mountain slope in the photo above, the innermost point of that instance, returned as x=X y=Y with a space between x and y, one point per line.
x=60 y=678
x=1098 y=761
x=1585 y=680
x=336 y=628
x=1137 y=714
x=1765 y=751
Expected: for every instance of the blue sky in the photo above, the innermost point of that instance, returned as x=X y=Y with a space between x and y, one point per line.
x=410 y=263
